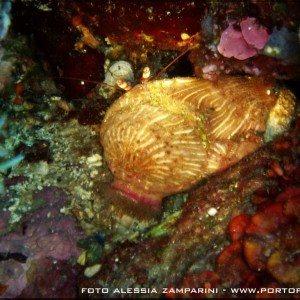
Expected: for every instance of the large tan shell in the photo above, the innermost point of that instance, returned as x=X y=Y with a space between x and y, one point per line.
x=163 y=136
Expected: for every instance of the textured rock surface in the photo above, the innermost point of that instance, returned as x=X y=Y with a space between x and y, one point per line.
x=44 y=233
x=157 y=263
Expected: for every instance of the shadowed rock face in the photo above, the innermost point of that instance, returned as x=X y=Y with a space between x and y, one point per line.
x=198 y=236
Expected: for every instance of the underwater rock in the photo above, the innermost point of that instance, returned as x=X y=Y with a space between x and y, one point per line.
x=5 y=66
x=5 y=72
x=5 y=7
x=157 y=25
x=73 y=38
x=77 y=70
x=4 y=217
x=6 y=161
x=263 y=255
x=147 y=30
x=158 y=262
x=285 y=45
x=56 y=36
x=46 y=232
x=13 y=277
x=49 y=278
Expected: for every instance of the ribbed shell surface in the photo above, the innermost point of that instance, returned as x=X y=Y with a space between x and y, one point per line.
x=163 y=136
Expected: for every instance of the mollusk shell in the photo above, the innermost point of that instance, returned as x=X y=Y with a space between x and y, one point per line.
x=118 y=70
x=163 y=136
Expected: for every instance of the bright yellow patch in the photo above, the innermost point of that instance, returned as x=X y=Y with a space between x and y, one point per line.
x=147 y=38
x=184 y=36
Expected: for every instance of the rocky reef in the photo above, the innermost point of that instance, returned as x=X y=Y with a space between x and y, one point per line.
x=255 y=202
x=65 y=232
x=78 y=37
x=44 y=235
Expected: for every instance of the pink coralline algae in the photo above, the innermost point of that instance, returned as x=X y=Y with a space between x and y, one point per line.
x=48 y=234
x=45 y=233
x=243 y=43
x=254 y=34
x=4 y=216
x=12 y=274
x=62 y=284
